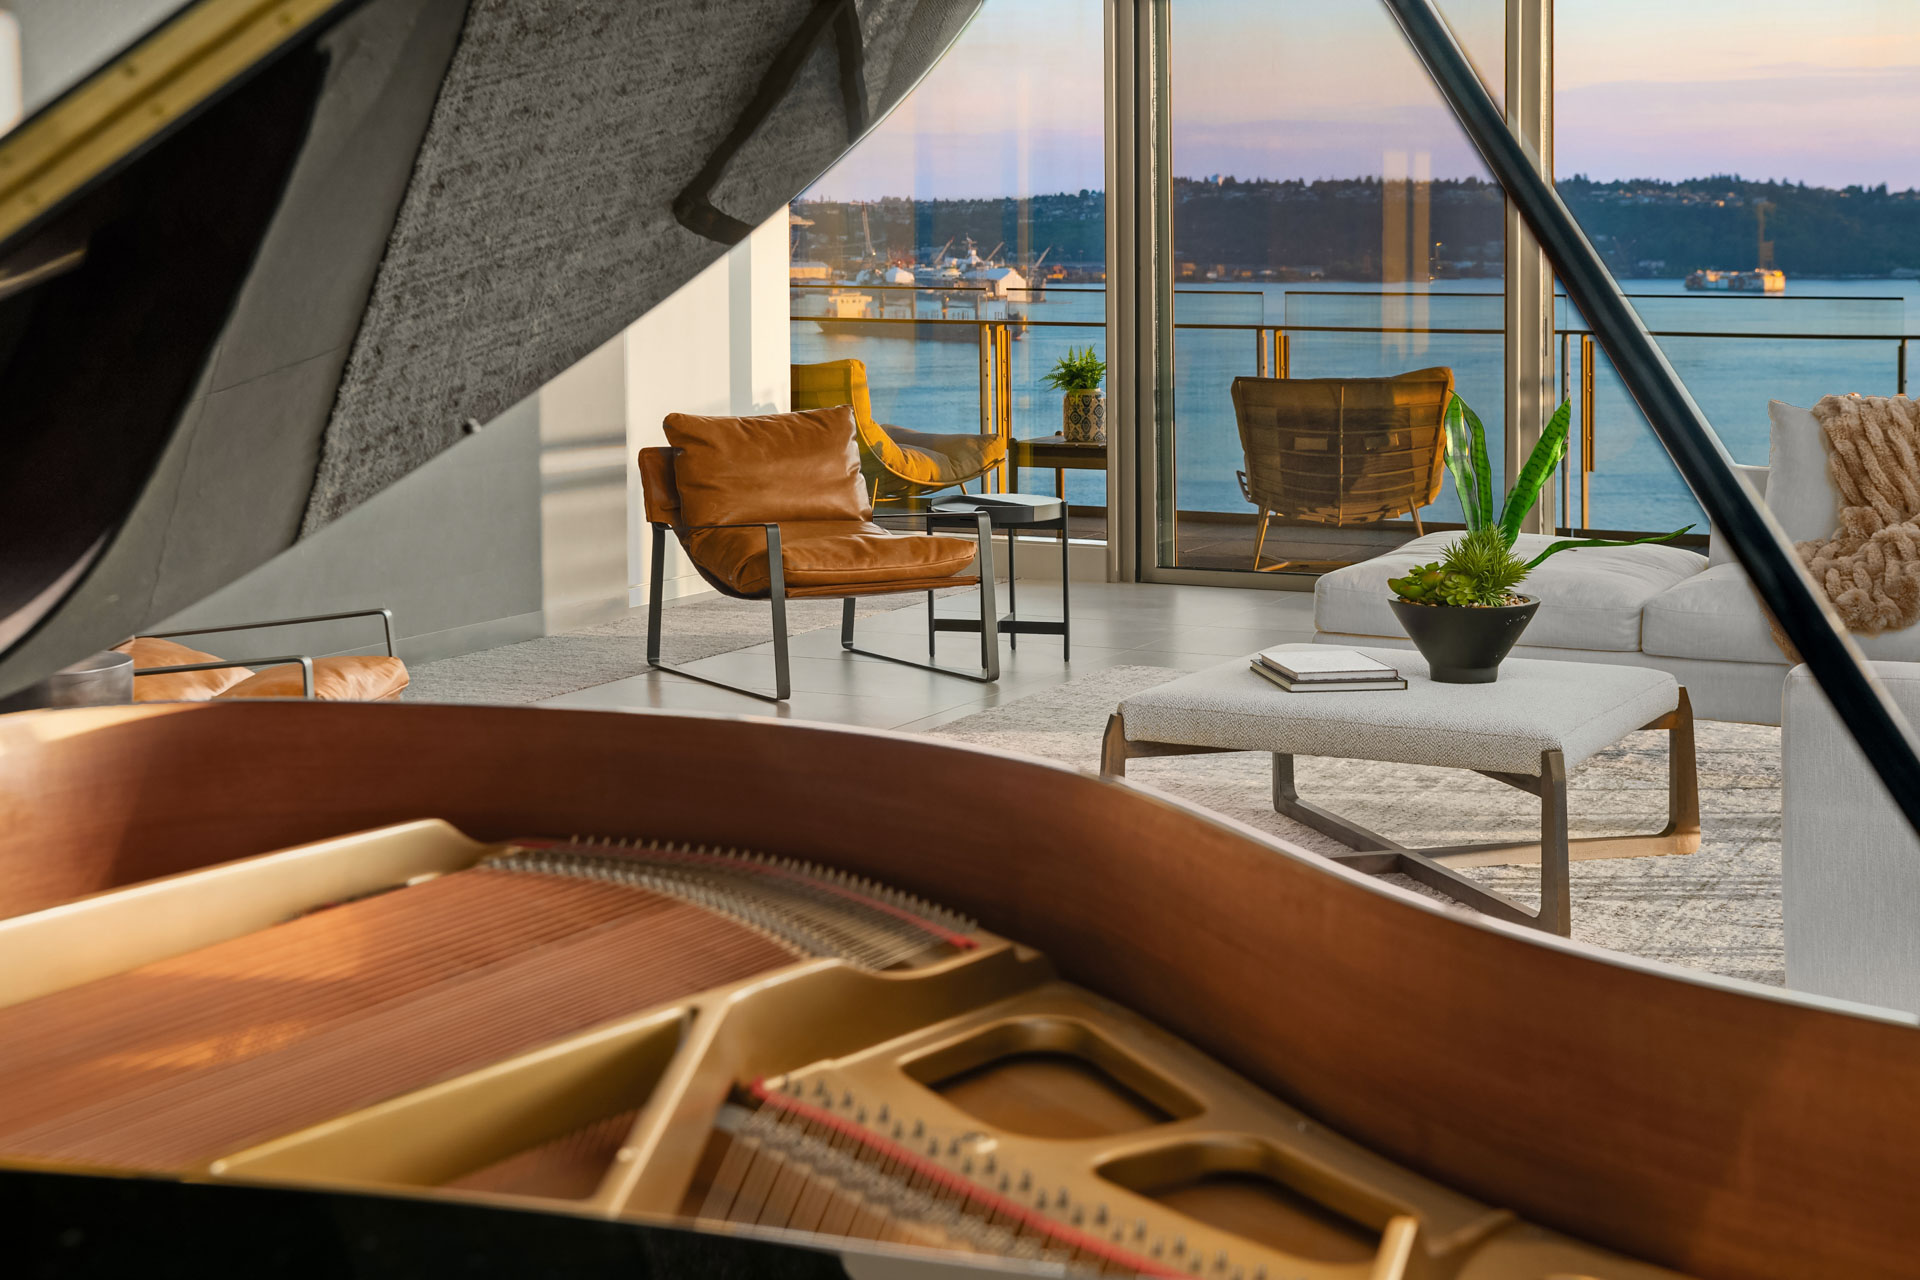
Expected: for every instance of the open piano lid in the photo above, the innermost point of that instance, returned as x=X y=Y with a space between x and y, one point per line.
x=274 y=255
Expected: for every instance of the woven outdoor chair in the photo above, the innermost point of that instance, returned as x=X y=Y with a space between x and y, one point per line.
x=1341 y=451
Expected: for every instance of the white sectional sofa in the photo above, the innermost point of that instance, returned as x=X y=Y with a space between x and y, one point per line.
x=1850 y=864
x=1656 y=606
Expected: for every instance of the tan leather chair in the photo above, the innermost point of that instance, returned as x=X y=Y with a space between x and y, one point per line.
x=165 y=671
x=1342 y=451
x=896 y=462
x=773 y=507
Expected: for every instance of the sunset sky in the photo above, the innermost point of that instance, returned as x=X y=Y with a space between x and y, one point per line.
x=1827 y=93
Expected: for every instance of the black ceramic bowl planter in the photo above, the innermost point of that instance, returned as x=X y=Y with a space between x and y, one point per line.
x=1464 y=644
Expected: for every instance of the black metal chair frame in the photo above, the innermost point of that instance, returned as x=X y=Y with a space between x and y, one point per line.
x=777 y=593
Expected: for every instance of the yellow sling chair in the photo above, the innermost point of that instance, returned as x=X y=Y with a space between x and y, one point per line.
x=896 y=462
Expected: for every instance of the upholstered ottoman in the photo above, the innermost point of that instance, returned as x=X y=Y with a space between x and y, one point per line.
x=1527 y=729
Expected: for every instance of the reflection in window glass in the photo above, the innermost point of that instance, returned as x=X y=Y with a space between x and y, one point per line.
x=978 y=202
x=1763 y=153
x=1321 y=189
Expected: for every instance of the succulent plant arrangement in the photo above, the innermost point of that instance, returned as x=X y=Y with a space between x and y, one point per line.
x=1480 y=570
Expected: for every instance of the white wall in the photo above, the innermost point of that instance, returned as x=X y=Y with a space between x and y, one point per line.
x=535 y=525
x=719 y=345
x=584 y=463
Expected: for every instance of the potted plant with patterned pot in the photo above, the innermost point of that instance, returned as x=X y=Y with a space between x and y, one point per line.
x=1464 y=612
x=1083 y=418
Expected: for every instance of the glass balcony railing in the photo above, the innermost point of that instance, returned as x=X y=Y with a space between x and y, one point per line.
x=939 y=360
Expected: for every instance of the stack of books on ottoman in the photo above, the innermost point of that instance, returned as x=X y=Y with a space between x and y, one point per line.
x=1320 y=669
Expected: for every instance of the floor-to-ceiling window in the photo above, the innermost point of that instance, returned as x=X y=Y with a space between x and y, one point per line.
x=1750 y=172
x=1329 y=221
x=959 y=252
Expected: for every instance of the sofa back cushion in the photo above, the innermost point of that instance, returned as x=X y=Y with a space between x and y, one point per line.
x=1799 y=493
x=768 y=468
x=1755 y=478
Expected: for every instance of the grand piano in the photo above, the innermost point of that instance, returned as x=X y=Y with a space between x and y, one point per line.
x=438 y=990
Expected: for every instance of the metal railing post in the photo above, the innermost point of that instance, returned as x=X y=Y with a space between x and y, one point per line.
x=989 y=390
x=1566 y=459
x=1900 y=380
x=1282 y=354
x=1006 y=407
x=1261 y=368
x=1587 y=454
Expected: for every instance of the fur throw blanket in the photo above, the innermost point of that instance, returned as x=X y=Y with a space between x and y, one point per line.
x=1870 y=567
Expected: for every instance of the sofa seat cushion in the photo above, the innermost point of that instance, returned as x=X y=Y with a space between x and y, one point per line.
x=1716 y=615
x=1591 y=598
x=181 y=686
x=350 y=679
x=827 y=553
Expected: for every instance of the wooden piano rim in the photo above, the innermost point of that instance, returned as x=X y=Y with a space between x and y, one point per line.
x=1695 y=1122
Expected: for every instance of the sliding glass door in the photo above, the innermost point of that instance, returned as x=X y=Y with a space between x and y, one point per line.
x=1329 y=222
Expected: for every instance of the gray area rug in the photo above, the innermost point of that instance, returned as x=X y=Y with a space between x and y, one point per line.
x=553 y=665
x=1718 y=909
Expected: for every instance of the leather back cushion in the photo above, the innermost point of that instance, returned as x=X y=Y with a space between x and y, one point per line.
x=355 y=679
x=768 y=468
x=183 y=686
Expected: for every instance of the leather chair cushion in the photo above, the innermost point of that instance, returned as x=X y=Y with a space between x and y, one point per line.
x=772 y=467
x=183 y=686
x=827 y=553
x=934 y=459
x=353 y=679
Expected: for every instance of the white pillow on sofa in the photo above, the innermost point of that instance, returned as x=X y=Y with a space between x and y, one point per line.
x=1799 y=493
x=1755 y=478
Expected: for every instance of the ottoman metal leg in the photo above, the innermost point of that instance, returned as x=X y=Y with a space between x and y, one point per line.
x=1436 y=868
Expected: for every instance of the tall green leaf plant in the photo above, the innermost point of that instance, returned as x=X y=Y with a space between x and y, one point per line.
x=1475 y=570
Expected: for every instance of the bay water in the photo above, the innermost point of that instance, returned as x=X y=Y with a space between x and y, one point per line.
x=934 y=385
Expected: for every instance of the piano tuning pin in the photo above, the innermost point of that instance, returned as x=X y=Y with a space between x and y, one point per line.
x=966 y=1167
x=860 y=1116
x=1026 y=1180
x=1100 y=1216
x=1260 y=1273
x=1159 y=1248
x=953 y=1148
x=1040 y=1201
x=1079 y=1215
x=933 y=1147
x=883 y=1116
x=919 y=1129
x=899 y=1131
x=846 y=1098
x=1062 y=1197
x=1179 y=1245
x=1006 y=1183
x=1139 y=1228
x=1220 y=1261
x=992 y=1160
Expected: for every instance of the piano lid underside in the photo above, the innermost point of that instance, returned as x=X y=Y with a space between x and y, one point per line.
x=410 y=215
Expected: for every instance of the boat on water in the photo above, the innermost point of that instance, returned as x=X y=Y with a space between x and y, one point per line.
x=1759 y=280
x=970 y=288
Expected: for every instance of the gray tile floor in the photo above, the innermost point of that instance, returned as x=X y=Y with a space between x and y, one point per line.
x=1114 y=624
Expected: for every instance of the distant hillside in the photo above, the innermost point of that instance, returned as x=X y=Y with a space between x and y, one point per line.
x=1712 y=222
x=1331 y=229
